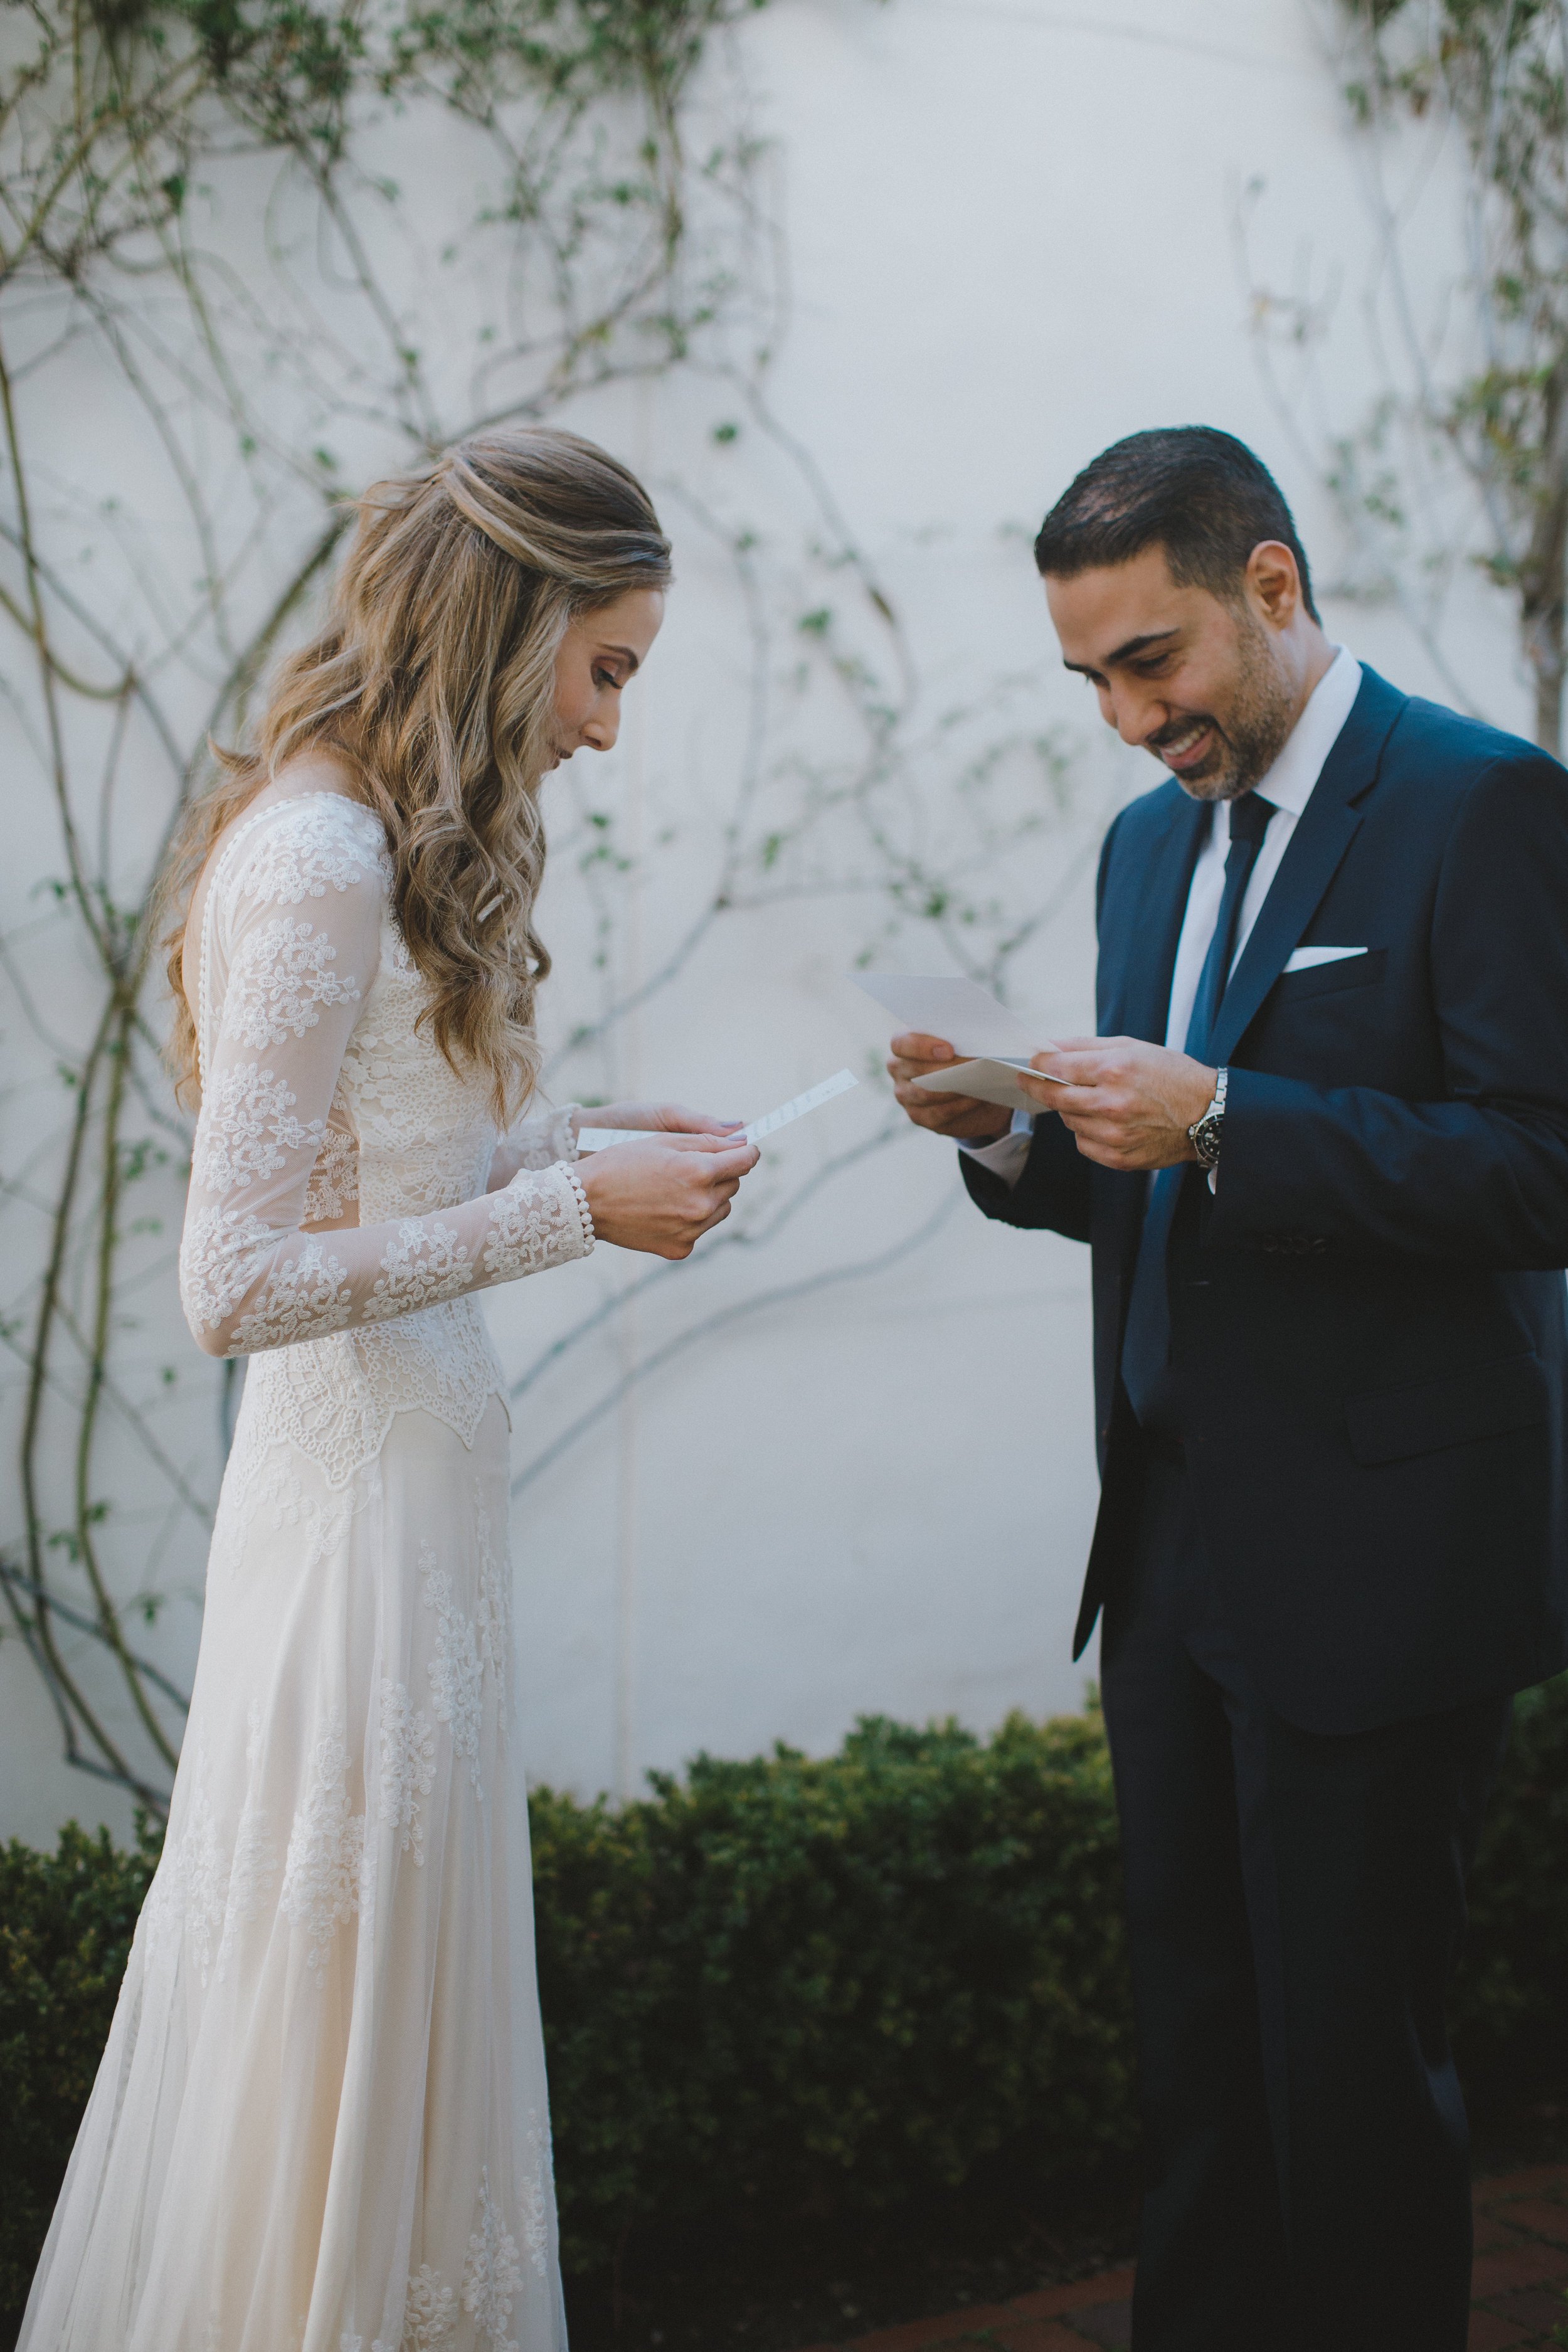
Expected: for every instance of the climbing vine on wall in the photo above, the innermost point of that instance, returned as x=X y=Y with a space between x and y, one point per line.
x=1461 y=462
x=252 y=254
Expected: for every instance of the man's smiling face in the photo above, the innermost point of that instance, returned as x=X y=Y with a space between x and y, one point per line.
x=1197 y=682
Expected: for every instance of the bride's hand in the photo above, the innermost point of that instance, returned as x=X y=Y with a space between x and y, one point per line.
x=663 y=1195
x=663 y=1118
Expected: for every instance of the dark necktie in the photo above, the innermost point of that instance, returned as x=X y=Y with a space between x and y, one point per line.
x=1146 y=1348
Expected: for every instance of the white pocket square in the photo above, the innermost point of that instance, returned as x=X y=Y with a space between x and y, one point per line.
x=1307 y=959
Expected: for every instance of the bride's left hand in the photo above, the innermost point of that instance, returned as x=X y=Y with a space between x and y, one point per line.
x=663 y=1118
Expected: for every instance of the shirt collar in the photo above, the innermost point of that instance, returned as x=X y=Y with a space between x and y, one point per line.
x=1290 y=781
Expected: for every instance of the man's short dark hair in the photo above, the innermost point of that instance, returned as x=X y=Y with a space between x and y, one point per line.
x=1200 y=495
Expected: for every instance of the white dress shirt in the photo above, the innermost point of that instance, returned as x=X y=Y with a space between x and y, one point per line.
x=1289 y=784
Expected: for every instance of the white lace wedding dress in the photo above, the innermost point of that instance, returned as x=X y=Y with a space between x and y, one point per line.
x=319 y=2125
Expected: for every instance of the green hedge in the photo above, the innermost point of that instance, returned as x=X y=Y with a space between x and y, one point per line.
x=65 y=1929
x=801 y=1986
x=1510 y=2007
x=822 y=1984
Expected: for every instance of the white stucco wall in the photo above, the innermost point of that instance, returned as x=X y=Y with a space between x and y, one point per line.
x=1012 y=237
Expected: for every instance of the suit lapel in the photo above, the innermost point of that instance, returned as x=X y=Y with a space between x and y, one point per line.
x=1327 y=827
x=1162 y=909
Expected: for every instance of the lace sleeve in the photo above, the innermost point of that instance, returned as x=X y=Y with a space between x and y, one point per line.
x=538 y=1142
x=290 y=946
x=333 y=1188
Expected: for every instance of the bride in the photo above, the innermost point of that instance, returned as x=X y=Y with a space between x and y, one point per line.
x=319 y=2123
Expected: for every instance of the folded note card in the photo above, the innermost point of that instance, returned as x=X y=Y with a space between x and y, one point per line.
x=988 y=1081
x=960 y=1010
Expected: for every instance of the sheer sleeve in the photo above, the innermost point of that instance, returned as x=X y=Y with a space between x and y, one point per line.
x=289 y=947
x=549 y=1136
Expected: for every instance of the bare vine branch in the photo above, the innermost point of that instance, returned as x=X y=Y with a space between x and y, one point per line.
x=196 y=222
x=1463 y=462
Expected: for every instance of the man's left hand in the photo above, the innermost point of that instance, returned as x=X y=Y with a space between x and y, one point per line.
x=1130 y=1104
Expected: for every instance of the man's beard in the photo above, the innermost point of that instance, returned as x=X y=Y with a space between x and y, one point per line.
x=1258 y=727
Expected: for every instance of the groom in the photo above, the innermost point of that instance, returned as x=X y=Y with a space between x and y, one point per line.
x=1319 y=1150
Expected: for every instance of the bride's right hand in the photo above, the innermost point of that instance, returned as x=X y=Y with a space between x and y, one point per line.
x=663 y=1195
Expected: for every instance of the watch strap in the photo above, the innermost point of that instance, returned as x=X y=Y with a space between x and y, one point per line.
x=1204 y=1133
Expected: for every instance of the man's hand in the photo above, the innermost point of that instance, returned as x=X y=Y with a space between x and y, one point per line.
x=1130 y=1104
x=962 y=1116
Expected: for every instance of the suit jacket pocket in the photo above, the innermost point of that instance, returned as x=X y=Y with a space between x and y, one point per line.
x=1483 y=1400
x=1329 y=978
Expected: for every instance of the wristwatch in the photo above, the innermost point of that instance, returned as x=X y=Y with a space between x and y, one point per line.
x=1204 y=1133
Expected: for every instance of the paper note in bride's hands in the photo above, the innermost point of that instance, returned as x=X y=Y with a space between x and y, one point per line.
x=599 y=1138
x=840 y=1083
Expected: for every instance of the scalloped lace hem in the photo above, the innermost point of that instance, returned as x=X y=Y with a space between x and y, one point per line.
x=334 y=1398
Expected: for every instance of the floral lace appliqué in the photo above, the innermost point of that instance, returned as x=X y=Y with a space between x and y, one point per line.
x=188 y=1894
x=429 y=2315
x=255 y=1867
x=325 y=843
x=204 y=1893
x=534 y=2192
x=324 y=1872
x=305 y=1296
x=420 y=1264
x=334 y=1179
x=491 y=2274
x=219 y=1254
x=457 y=1670
x=283 y=973
x=533 y=1225
x=536 y=2226
x=269 y=1490
x=407 y=1766
x=493 y=1615
x=248 y=1130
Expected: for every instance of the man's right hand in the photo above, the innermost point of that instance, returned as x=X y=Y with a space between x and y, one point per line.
x=961 y=1116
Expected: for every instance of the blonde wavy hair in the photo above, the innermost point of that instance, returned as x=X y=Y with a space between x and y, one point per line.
x=433 y=679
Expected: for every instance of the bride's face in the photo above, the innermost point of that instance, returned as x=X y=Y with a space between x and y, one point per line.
x=601 y=652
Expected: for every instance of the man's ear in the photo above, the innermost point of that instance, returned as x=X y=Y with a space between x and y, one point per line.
x=1274 y=583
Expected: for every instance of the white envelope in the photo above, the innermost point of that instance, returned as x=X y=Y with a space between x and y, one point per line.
x=1309 y=958
x=988 y=1081
x=958 y=1010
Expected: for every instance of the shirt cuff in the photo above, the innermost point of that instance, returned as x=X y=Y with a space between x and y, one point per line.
x=1008 y=1156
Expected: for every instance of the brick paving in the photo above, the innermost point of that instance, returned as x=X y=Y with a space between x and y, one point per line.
x=1521 y=2289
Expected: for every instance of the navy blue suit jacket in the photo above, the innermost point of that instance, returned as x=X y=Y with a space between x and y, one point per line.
x=1368 y=1316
